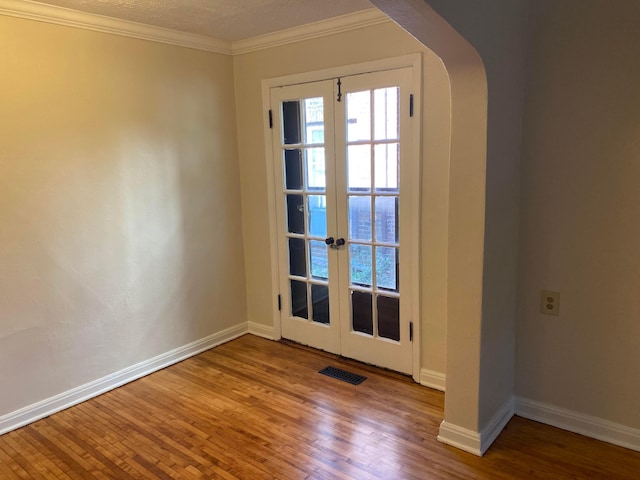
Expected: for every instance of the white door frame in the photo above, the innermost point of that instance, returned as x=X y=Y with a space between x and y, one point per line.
x=411 y=60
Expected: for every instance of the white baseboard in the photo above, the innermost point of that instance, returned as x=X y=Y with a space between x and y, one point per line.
x=261 y=330
x=460 y=437
x=49 y=406
x=489 y=434
x=433 y=379
x=587 y=425
x=474 y=442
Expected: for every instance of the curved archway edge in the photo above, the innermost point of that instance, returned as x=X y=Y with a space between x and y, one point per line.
x=467 y=183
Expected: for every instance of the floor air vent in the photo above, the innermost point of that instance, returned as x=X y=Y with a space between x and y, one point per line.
x=352 y=378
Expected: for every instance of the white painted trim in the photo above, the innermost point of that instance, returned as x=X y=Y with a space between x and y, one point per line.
x=323 y=28
x=41 y=12
x=462 y=438
x=587 y=425
x=489 y=434
x=272 y=205
x=264 y=331
x=416 y=215
x=473 y=442
x=77 y=395
x=433 y=379
x=413 y=60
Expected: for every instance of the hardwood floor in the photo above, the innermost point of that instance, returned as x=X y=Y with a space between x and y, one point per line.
x=256 y=409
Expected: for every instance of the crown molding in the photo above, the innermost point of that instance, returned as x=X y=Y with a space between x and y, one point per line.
x=323 y=28
x=72 y=18
x=41 y=12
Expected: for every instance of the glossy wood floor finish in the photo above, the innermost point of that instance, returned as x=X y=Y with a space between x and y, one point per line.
x=255 y=409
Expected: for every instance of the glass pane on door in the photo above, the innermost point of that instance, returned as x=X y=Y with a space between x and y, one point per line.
x=319 y=260
x=386 y=167
x=388 y=317
x=387 y=268
x=317 y=207
x=362 y=312
x=360 y=218
x=386 y=209
x=359 y=116
x=386 y=119
x=297 y=257
x=291 y=122
x=359 y=168
x=299 y=299
x=320 y=299
x=293 y=169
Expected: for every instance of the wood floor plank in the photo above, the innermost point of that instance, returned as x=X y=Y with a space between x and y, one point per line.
x=254 y=409
x=11 y=461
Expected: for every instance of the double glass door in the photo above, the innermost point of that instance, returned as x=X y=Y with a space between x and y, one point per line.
x=341 y=182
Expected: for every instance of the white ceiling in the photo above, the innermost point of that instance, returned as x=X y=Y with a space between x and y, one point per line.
x=229 y=20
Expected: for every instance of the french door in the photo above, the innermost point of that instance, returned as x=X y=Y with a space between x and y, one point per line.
x=342 y=149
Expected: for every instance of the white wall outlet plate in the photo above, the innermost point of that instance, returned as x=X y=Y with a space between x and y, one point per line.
x=550 y=303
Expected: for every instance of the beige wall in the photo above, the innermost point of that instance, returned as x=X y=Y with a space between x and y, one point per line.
x=580 y=233
x=120 y=233
x=381 y=41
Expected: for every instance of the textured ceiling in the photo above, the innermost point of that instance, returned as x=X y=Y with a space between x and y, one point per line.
x=229 y=20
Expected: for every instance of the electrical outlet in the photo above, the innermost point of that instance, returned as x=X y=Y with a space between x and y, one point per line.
x=550 y=303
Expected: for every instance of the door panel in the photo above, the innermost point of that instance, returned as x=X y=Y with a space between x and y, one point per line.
x=374 y=298
x=304 y=174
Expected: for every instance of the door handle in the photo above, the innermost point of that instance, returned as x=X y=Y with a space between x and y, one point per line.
x=329 y=241
x=338 y=244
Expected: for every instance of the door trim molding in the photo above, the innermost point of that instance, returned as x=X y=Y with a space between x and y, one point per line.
x=393 y=63
x=413 y=61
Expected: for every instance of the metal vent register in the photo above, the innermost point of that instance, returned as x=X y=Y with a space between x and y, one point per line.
x=352 y=378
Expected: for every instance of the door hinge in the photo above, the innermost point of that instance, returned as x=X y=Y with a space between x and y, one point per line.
x=339 y=90
x=411 y=331
x=411 y=105
x=279 y=303
x=270 y=119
